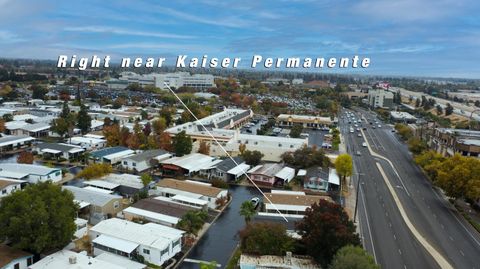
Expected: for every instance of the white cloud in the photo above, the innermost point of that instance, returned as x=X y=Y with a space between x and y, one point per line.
x=121 y=31
x=9 y=37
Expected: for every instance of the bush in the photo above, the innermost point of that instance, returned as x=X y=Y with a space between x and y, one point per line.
x=95 y=170
x=218 y=183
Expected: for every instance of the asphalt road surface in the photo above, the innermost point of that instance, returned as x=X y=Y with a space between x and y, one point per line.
x=383 y=230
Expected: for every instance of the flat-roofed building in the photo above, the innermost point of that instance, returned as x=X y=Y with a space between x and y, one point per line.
x=380 y=98
x=13 y=142
x=186 y=189
x=271 y=174
x=403 y=117
x=7 y=186
x=156 y=243
x=448 y=142
x=30 y=172
x=292 y=204
x=307 y=121
x=142 y=161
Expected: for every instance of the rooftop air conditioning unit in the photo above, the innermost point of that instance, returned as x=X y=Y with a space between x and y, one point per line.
x=72 y=260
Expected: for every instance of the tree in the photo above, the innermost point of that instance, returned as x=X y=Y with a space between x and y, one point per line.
x=247 y=210
x=306 y=157
x=204 y=148
x=95 y=170
x=182 y=144
x=192 y=221
x=403 y=131
x=38 y=91
x=209 y=265
x=296 y=131
x=25 y=157
x=265 y=238
x=252 y=157
x=84 y=120
x=2 y=125
x=325 y=229
x=353 y=257
x=146 y=179
x=241 y=148
x=65 y=110
x=344 y=167
x=112 y=134
x=416 y=145
x=166 y=142
x=439 y=110
x=448 y=109
x=38 y=218
x=159 y=125
x=417 y=102
x=7 y=117
x=60 y=126
x=167 y=113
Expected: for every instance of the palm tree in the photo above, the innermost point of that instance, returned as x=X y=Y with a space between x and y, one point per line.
x=247 y=210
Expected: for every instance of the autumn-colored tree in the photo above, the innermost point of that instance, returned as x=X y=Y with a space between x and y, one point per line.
x=95 y=170
x=112 y=134
x=204 y=148
x=2 y=125
x=344 y=167
x=241 y=148
x=124 y=136
x=25 y=157
x=325 y=229
x=159 y=125
x=133 y=141
x=166 y=142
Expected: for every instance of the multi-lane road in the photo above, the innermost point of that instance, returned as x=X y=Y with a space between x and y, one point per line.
x=404 y=221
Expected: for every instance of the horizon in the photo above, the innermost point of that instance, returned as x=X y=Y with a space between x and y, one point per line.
x=431 y=39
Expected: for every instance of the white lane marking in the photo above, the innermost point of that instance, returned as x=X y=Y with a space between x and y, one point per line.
x=463 y=254
x=442 y=262
x=368 y=224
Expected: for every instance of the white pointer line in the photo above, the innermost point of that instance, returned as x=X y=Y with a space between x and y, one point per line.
x=224 y=150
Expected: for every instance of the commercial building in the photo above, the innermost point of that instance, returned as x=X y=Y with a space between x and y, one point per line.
x=380 y=99
x=289 y=261
x=184 y=79
x=156 y=243
x=403 y=117
x=306 y=121
x=292 y=204
x=448 y=142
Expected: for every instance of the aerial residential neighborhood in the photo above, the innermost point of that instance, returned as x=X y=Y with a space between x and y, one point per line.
x=239 y=134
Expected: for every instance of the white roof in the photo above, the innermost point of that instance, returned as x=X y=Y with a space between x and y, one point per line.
x=120 y=154
x=13 y=139
x=286 y=173
x=94 y=136
x=26 y=169
x=124 y=180
x=115 y=243
x=24 y=117
x=239 y=169
x=119 y=260
x=192 y=162
x=101 y=184
x=12 y=125
x=36 y=127
x=53 y=151
x=150 y=234
x=81 y=204
x=302 y=172
x=333 y=177
x=85 y=139
x=154 y=216
x=60 y=260
x=188 y=199
x=96 y=123
x=91 y=188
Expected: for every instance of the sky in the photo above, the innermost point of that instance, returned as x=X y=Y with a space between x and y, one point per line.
x=439 y=38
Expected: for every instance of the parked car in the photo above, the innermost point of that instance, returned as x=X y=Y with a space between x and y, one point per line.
x=364 y=144
x=255 y=201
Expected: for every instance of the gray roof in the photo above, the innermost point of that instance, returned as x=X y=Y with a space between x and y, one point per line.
x=92 y=197
x=56 y=146
x=148 y=154
x=228 y=164
x=98 y=154
x=234 y=118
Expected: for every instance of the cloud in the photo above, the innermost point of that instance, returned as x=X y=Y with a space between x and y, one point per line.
x=9 y=37
x=408 y=10
x=121 y=31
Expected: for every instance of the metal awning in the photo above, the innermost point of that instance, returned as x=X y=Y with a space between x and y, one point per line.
x=115 y=243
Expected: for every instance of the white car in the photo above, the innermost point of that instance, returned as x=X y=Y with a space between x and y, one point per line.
x=364 y=144
x=255 y=201
x=379 y=126
x=359 y=135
